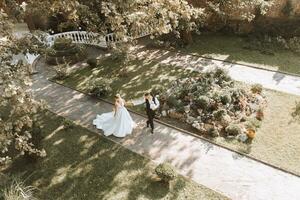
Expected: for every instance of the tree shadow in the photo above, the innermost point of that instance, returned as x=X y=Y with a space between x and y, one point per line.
x=82 y=165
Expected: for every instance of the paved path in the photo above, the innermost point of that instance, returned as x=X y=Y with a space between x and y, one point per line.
x=269 y=79
x=229 y=173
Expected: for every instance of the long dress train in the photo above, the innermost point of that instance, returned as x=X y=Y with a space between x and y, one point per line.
x=119 y=125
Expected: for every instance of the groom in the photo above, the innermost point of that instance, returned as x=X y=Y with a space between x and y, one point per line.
x=152 y=105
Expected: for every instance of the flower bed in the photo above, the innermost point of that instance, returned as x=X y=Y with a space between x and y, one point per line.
x=214 y=105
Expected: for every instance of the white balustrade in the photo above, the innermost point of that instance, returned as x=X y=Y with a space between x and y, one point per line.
x=95 y=39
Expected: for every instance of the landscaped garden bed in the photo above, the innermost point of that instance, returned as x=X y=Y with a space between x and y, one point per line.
x=214 y=105
x=277 y=132
x=82 y=165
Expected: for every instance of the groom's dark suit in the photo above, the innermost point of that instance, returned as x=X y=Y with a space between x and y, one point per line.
x=150 y=114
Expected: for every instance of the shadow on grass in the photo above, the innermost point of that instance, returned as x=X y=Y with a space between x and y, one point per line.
x=141 y=77
x=233 y=49
x=82 y=165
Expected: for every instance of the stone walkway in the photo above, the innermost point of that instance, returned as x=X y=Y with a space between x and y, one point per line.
x=224 y=171
x=269 y=79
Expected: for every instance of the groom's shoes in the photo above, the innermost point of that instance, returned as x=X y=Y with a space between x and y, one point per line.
x=152 y=132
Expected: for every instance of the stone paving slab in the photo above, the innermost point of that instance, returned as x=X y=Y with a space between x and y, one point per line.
x=235 y=176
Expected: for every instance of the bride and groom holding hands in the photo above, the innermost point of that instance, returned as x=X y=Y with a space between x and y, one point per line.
x=119 y=122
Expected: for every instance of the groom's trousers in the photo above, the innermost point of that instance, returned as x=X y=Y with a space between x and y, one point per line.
x=150 y=119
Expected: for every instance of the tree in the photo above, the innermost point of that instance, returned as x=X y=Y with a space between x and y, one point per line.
x=157 y=17
x=124 y=18
x=17 y=105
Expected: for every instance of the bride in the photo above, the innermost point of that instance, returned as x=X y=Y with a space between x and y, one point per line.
x=118 y=123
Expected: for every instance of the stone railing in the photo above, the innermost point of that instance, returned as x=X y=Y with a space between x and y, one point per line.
x=79 y=37
x=83 y=37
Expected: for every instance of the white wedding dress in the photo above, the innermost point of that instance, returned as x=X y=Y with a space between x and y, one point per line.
x=119 y=125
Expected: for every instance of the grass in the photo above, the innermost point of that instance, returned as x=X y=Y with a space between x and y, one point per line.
x=277 y=141
x=141 y=77
x=279 y=132
x=83 y=165
x=231 y=48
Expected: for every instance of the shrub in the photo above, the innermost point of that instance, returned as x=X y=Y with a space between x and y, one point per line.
x=233 y=129
x=296 y=113
x=173 y=102
x=68 y=124
x=166 y=172
x=225 y=98
x=221 y=75
x=213 y=132
x=62 y=43
x=157 y=90
x=252 y=123
x=61 y=71
x=99 y=87
x=202 y=102
x=257 y=88
x=218 y=115
x=64 y=50
x=92 y=62
x=288 y=8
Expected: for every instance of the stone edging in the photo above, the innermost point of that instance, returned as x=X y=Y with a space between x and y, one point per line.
x=179 y=129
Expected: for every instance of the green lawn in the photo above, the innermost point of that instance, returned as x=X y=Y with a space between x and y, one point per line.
x=83 y=165
x=231 y=48
x=141 y=77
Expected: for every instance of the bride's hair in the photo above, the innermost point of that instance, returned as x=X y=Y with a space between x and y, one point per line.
x=117 y=96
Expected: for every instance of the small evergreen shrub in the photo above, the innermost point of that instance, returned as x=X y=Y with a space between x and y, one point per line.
x=214 y=132
x=92 y=62
x=202 y=102
x=218 y=115
x=166 y=172
x=99 y=87
x=68 y=124
x=225 y=98
x=233 y=129
x=173 y=102
x=252 y=123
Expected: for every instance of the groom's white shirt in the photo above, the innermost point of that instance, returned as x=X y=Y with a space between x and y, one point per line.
x=154 y=106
